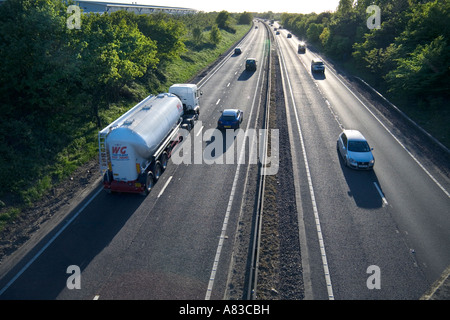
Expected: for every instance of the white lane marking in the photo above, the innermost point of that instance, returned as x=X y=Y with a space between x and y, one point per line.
x=311 y=189
x=230 y=202
x=228 y=84
x=217 y=102
x=202 y=82
x=165 y=186
x=199 y=131
x=49 y=242
x=96 y=297
x=381 y=193
x=332 y=71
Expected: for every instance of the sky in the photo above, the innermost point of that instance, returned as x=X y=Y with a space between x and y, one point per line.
x=291 y=6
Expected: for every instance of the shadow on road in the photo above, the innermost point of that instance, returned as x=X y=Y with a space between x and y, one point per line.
x=245 y=75
x=362 y=186
x=78 y=244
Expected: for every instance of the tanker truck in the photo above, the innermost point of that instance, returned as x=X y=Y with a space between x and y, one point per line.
x=134 y=149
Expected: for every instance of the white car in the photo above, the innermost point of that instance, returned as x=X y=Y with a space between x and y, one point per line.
x=355 y=150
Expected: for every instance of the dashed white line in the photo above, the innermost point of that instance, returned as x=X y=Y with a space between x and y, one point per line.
x=222 y=237
x=199 y=131
x=165 y=186
x=217 y=102
x=381 y=193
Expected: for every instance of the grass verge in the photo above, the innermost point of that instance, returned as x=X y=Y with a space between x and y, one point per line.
x=83 y=144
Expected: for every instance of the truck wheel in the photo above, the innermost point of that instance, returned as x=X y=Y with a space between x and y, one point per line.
x=164 y=160
x=157 y=171
x=149 y=182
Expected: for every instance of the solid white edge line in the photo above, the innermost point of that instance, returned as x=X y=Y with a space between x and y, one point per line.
x=311 y=189
x=49 y=242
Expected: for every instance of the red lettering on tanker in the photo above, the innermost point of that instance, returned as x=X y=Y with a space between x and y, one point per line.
x=119 y=153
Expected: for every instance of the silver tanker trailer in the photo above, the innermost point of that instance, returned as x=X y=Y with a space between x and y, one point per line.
x=135 y=148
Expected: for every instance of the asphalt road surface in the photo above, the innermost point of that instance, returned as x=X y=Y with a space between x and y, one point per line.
x=176 y=243
x=389 y=226
x=381 y=234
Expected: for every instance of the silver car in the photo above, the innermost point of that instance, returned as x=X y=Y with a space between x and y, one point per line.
x=355 y=150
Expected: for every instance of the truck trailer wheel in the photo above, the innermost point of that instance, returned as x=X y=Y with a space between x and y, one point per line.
x=157 y=171
x=149 y=182
x=164 y=159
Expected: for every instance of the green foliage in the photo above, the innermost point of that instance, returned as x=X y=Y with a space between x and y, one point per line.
x=223 y=19
x=245 y=18
x=58 y=86
x=215 y=35
x=408 y=58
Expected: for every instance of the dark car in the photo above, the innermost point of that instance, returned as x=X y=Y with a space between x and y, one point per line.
x=237 y=50
x=250 y=64
x=230 y=119
x=317 y=66
x=302 y=47
x=289 y=35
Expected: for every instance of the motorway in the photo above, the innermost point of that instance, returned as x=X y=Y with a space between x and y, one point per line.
x=392 y=223
x=176 y=243
x=179 y=241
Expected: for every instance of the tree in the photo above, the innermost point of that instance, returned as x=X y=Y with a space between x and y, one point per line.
x=167 y=32
x=197 y=35
x=314 y=31
x=215 y=35
x=222 y=19
x=245 y=18
x=116 y=53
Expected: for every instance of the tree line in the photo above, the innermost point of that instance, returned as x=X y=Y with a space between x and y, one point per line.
x=57 y=83
x=408 y=57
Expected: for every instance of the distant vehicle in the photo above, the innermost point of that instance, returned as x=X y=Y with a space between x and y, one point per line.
x=237 y=50
x=302 y=47
x=317 y=66
x=355 y=150
x=230 y=119
x=289 y=35
x=250 y=64
x=278 y=32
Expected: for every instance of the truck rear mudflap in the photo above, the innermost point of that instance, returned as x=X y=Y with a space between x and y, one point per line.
x=124 y=186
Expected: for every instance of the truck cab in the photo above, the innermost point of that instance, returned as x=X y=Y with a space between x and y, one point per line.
x=189 y=94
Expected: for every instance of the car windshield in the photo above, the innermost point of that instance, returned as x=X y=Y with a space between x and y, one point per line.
x=358 y=146
x=318 y=63
x=228 y=117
